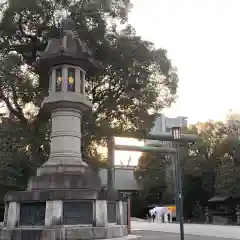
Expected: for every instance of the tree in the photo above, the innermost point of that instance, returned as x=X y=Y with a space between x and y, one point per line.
x=151 y=173
x=209 y=153
x=136 y=77
x=227 y=174
x=212 y=168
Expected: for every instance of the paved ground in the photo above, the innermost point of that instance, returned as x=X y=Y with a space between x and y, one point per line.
x=152 y=235
x=154 y=231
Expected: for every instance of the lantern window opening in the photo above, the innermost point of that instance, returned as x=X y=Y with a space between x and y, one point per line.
x=59 y=79
x=71 y=79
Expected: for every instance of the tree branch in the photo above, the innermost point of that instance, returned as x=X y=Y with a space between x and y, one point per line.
x=34 y=39
x=17 y=106
x=23 y=34
x=18 y=114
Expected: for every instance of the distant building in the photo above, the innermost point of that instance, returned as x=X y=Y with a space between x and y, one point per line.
x=164 y=124
x=233 y=120
x=233 y=123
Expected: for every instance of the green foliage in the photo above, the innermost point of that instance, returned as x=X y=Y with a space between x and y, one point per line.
x=155 y=173
x=214 y=156
x=151 y=173
x=211 y=166
x=133 y=68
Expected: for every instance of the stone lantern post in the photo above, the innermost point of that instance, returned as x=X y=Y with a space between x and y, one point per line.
x=64 y=201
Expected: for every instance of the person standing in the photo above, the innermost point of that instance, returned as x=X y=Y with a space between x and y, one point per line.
x=207 y=220
x=154 y=216
x=163 y=217
x=169 y=217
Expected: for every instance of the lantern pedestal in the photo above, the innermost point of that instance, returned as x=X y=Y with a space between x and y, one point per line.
x=66 y=111
x=70 y=233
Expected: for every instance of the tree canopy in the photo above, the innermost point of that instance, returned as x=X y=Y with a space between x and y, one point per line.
x=210 y=167
x=136 y=76
x=217 y=156
x=151 y=173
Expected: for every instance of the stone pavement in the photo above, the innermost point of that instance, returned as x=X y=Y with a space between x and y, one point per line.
x=152 y=235
x=222 y=232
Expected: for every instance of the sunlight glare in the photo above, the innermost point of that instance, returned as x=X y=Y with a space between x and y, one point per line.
x=124 y=156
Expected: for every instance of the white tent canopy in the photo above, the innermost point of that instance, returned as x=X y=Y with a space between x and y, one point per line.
x=160 y=212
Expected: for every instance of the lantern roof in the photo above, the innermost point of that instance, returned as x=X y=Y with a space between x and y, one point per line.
x=67 y=49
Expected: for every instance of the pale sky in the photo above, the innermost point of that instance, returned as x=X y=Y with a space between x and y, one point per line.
x=203 y=41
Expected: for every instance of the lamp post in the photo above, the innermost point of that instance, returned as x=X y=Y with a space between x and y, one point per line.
x=176 y=134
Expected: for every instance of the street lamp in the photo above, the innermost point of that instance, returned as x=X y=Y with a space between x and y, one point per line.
x=176 y=134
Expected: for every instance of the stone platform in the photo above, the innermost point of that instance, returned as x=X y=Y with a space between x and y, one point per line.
x=62 y=214
x=64 y=206
x=67 y=233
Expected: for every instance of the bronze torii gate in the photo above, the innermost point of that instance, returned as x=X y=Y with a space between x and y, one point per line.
x=176 y=138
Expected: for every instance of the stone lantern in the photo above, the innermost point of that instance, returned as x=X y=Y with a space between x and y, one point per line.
x=64 y=200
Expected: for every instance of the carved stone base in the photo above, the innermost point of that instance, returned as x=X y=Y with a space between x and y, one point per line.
x=67 y=233
x=63 y=206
